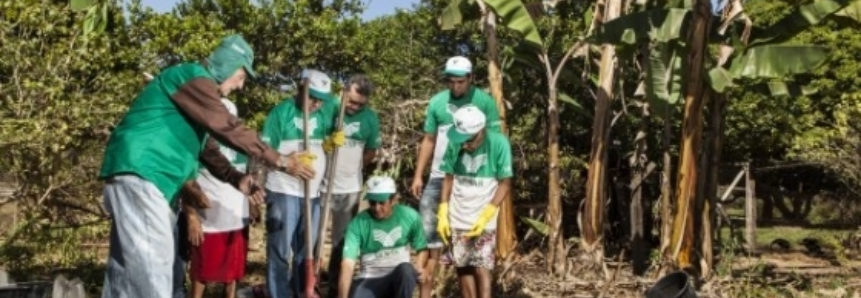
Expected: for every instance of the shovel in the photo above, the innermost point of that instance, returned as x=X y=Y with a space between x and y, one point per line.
x=306 y=183
x=330 y=174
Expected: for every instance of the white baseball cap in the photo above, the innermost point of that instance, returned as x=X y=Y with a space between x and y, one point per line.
x=458 y=66
x=468 y=121
x=319 y=85
x=380 y=188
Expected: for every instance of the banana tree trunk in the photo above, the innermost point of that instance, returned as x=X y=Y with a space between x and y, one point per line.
x=667 y=187
x=505 y=234
x=717 y=109
x=638 y=163
x=683 y=236
x=593 y=217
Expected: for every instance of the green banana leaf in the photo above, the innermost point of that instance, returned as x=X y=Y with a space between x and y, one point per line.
x=663 y=83
x=799 y=20
x=451 y=15
x=519 y=53
x=515 y=16
x=777 y=61
x=661 y=25
x=720 y=79
x=853 y=11
x=540 y=227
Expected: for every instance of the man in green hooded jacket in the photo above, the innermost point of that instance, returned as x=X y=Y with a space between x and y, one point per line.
x=158 y=146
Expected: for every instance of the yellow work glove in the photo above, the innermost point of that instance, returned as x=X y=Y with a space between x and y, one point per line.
x=442 y=225
x=336 y=139
x=486 y=215
x=328 y=147
x=307 y=159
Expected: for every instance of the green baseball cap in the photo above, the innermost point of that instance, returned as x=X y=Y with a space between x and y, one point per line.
x=233 y=52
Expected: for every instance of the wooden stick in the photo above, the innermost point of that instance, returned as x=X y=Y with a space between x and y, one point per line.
x=330 y=175
x=309 y=256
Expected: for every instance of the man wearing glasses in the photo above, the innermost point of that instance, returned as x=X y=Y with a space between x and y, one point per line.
x=438 y=120
x=362 y=130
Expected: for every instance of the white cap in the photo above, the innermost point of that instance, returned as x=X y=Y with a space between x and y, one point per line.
x=468 y=121
x=380 y=188
x=458 y=66
x=319 y=84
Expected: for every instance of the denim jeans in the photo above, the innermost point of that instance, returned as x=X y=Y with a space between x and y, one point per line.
x=400 y=283
x=180 y=259
x=428 y=208
x=285 y=238
x=142 y=240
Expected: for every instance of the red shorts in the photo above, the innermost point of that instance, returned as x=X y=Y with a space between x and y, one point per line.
x=221 y=257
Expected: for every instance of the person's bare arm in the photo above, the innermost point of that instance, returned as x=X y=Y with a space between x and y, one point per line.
x=422 y=265
x=421 y=258
x=502 y=190
x=346 y=278
x=425 y=153
x=369 y=156
x=200 y=101
x=447 y=184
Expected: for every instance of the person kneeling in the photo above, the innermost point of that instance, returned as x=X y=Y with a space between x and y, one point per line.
x=380 y=238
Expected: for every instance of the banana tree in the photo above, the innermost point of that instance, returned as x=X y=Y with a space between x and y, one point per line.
x=515 y=16
x=763 y=57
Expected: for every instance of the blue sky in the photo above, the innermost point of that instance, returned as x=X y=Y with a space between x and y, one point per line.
x=373 y=8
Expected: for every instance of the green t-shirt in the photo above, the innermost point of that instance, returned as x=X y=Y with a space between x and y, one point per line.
x=476 y=177
x=382 y=245
x=155 y=139
x=283 y=131
x=363 y=133
x=439 y=118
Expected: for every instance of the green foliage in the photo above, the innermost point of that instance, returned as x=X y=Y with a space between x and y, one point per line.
x=778 y=61
x=61 y=92
x=659 y=25
x=513 y=13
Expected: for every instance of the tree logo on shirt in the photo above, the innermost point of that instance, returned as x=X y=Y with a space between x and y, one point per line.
x=388 y=239
x=352 y=128
x=473 y=163
x=312 y=124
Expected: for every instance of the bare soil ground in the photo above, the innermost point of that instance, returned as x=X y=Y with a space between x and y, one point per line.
x=795 y=272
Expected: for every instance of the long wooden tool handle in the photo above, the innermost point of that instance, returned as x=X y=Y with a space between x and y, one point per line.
x=309 y=257
x=330 y=176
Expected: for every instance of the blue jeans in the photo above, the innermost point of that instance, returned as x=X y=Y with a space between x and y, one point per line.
x=285 y=235
x=142 y=241
x=400 y=283
x=428 y=208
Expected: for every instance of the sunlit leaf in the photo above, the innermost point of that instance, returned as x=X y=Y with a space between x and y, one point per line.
x=515 y=16
x=778 y=61
x=540 y=227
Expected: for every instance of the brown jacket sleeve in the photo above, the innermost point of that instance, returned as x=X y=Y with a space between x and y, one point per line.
x=219 y=165
x=200 y=100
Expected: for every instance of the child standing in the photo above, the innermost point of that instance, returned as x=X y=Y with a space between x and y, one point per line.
x=219 y=234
